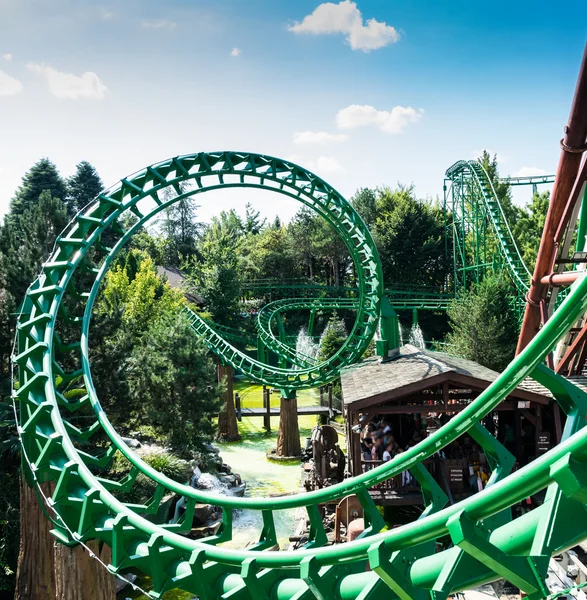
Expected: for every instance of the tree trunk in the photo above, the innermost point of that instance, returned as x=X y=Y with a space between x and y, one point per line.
x=35 y=577
x=80 y=577
x=288 y=438
x=227 y=423
x=48 y=570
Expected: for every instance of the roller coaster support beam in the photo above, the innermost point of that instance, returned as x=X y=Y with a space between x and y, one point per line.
x=568 y=168
x=560 y=279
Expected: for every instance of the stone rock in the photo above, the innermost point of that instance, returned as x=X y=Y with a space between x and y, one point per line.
x=202 y=513
x=228 y=480
x=239 y=491
x=131 y=442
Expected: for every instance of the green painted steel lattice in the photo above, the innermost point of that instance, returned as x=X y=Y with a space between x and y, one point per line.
x=475 y=210
x=53 y=339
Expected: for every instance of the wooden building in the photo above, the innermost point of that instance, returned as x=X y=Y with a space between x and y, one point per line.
x=414 y=392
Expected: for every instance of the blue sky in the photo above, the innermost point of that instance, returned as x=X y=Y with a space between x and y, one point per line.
x=376 y=91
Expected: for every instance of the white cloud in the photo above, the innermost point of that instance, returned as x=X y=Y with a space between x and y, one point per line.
x=345 y=17
x=321 y=165
x=9 y=85
x=529 y=172
x=235 y=51
x=318 y=137
x=499 y=157
x=389 y=121
x=7 y=56
x=67 y=85
x=158 y=24
x=107 y=15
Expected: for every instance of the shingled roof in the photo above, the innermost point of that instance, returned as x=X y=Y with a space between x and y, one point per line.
x=177 y=279
x=413 y=369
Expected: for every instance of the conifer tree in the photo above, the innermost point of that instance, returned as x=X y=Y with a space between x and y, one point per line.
x=83 y=186
x=43 y=176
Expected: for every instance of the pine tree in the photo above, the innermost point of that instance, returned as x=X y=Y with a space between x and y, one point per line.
x=43 y=176
x=173 y=377
x=27 y=239
x=484 y=324
x=181 y=230
x=83 y=186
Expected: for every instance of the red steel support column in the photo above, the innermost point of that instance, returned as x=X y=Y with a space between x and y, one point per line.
x=568 y=167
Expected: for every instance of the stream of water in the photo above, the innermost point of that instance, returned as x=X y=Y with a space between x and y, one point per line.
x=263 y=477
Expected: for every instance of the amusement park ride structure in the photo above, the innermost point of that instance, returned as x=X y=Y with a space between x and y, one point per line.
x=487 y=542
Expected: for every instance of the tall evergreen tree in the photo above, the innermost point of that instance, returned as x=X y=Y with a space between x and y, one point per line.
x=173 y=377
x=26 y=240
x=43 y=176
x=83 y=186
x=181 y=230
x=484 y=324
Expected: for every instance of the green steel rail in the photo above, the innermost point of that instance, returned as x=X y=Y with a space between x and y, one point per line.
x=401 y=298
x=472 y=174
x=86 y=503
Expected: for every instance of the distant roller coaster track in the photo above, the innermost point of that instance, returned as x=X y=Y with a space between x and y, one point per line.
x=54 y=331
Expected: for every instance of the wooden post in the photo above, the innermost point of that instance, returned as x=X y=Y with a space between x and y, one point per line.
x=330 y=413
x=227 y=423
x=267 y=405
x=239 y=410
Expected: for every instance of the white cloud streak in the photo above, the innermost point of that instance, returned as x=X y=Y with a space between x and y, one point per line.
x=158 y=24
x=69 y=86
x=318 y=137
x=9 y=86
x=7 y=56
x=345 y=17
x=392 y=121
x=235 y=52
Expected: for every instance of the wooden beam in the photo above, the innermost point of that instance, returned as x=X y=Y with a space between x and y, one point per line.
x=572 y=350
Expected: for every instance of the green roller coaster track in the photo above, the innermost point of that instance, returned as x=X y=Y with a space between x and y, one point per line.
x=86 y=504
x=474 y=208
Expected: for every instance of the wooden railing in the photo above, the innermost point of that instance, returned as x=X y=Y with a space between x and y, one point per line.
x=402 y=483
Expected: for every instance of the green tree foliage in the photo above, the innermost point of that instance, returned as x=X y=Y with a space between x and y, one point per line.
x=529 y=226
x=365 y=203
x=253 y=223
x=502 y=189
x=181 y=230
x=268 y=254
x=140 y=292
x=302 y=231
x=26 y=240
x=483 y=323
x=170 y=374
x=83 y=186
x=43 y=176
x=332 y=340
x=216 y=275
x=410 y=237
x=147 y=364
